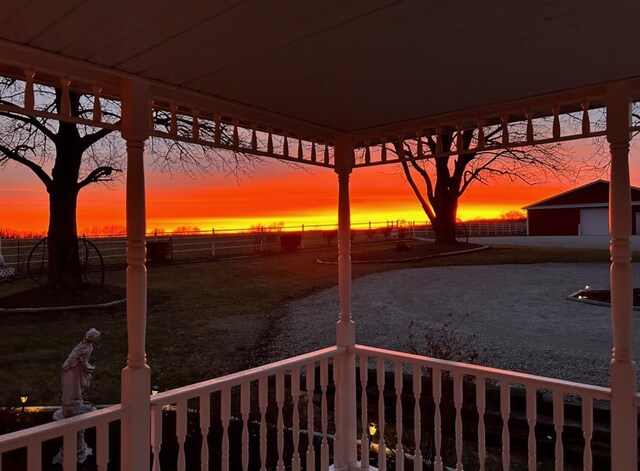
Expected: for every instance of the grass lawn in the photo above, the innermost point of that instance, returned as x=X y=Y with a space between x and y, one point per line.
x=204 y=319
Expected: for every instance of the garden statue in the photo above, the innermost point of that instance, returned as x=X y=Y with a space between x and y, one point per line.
x=76 y=378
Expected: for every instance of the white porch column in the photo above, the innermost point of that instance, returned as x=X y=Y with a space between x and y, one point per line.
x=136 y=427
x=623 y=377
x=345 y=450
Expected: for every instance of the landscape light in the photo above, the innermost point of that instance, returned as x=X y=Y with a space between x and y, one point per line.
x=586 y=287
x=24 y=397
x=373 y=429
x=155 y=390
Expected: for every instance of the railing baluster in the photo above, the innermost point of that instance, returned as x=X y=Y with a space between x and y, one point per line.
x=505 y=409
x=34 y=458
x=225 y=415
x=310 y=386
x=156 y=435
x=417 y=419
x=262 y=405
x=280 y=404
x=69 y=451
x=382 y=449
x=102 y=446
x=480 y=406
x=437 y=423
x=324 y=449
x=364 y=443
x=181 y=432
x=295 y=396
x=587 y=431
x=245 y=398
x=397 y=376
x=558 y=421
x=531 y=421
x=205 y=423
x=457 y=400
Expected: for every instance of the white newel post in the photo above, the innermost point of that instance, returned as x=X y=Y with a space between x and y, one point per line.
x=345 y=450
x=136 y=433
x=623 y=378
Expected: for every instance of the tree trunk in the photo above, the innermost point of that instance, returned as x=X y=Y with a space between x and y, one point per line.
x=444 y=226
x=64 y=261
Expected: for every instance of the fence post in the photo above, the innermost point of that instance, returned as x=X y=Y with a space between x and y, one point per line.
x=302 y=239
x=1 y=257
x=213 y=242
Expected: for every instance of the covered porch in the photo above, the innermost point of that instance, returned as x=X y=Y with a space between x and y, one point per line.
x=341 y=85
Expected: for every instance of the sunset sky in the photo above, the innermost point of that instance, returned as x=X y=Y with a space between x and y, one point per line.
x=272 y=193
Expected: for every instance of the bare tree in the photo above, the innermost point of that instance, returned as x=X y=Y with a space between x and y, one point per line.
x=446 y=178
x=67 y=157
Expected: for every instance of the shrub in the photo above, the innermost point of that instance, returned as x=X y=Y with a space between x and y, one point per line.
x=290 y=242
x=329 y=236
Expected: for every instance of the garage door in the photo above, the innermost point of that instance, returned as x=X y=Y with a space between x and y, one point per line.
x=594 y=221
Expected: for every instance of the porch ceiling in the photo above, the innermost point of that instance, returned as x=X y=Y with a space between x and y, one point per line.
x=344 y=65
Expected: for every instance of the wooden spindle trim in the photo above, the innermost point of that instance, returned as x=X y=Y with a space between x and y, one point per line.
x=531 y=421
x=156 y=435
x=295 y=419
x=383 y=151
x=505 y=409
x=310 y=387
x=181 y=432
x=364 y=407
x=97 y=109
x=529 y=115
x=313 y=151
x=419 y=145
x=587 y=431
x=558 y=422
x=324 y=381
x=236 y=137
x=152 y=121
x=262 y=405
x=382 y=449
x=439 y=147
x=326 y=153
x=397 y=376
x=367 y=153
x=217 y=134
x=457 y=400
x=556 y=121
x=586 y=124
x=245 y=401
x=280 y=424
x=254 y=138
x=481 y=142
x=505 y=129
x=437 y=421
x=459 y=140
x=481 y=407
x=270 y=140
x=195 y=123
x=300 y=150
x=225 y=415
x=285 y=145
x=28 y=89
x=65 y=102
x=173 y=126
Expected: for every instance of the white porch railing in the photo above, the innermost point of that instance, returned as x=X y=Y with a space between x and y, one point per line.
x=267 y=417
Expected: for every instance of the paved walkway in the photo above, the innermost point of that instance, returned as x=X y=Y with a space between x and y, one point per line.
x=519 y=313
x=578 y=242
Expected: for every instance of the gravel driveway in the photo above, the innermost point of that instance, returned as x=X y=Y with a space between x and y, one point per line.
x=519 y=313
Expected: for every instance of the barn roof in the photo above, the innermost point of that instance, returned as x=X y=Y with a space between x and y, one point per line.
x=594 y=193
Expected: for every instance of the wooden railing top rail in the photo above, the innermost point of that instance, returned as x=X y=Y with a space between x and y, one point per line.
x=41 y=433
x=570 y=387
x=235 y=379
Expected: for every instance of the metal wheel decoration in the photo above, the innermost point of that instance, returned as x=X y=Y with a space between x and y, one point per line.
x=91 y=262
x=462 y=234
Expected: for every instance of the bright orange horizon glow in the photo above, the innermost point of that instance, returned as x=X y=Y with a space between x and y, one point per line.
x=273 y=194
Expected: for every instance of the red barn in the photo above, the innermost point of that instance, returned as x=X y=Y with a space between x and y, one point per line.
x=581 y=211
